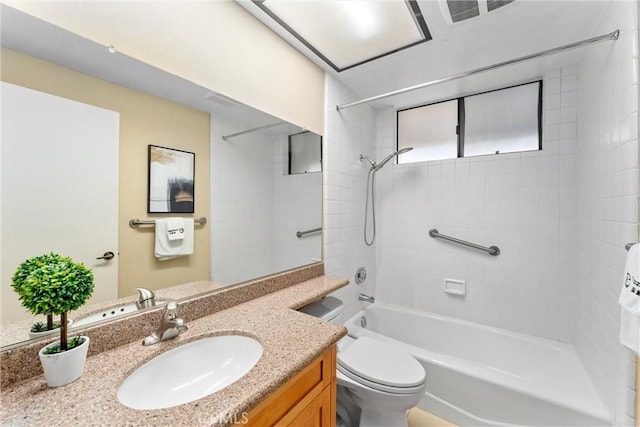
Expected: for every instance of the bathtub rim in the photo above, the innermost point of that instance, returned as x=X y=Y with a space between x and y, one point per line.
x=595 y=408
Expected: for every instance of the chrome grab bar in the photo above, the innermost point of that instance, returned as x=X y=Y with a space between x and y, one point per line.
x=491 y=250
x=136 y=222
x=302 y=233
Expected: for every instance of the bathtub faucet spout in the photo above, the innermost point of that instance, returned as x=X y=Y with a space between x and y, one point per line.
x=366 y=298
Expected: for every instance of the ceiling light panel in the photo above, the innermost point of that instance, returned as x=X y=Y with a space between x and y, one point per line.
x=347 y=33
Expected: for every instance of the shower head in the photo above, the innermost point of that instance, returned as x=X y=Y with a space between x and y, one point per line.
x=391 y=156
x=368 y=159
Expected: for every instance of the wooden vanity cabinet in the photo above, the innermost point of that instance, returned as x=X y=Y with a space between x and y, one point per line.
x=308 y=399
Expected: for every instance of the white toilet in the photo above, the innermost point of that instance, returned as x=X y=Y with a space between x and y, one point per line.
x=377 y=383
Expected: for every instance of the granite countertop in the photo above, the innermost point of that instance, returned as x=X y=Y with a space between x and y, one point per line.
x=18 y=331
x=291 y=340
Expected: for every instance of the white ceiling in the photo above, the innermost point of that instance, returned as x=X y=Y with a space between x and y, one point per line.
x=24 y=33
x=521 y=28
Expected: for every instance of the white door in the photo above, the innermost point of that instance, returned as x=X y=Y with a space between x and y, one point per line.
x=58 y=187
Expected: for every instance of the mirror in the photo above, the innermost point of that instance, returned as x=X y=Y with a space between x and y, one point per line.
x=257 y=208
x=305 y=153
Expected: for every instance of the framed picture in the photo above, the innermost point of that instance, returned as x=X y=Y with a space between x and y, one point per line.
x=171 y=178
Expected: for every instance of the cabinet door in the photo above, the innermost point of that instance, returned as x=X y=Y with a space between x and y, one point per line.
x=317 y=413
x=314 y=383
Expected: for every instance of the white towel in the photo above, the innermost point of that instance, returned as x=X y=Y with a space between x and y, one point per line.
x=166 y=249
x=630 y=301
x=175 y=228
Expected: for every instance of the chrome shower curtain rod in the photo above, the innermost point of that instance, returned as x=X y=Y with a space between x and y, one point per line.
x=233 y=135
x=611 y=36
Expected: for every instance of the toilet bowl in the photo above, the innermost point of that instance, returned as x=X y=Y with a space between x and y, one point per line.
x=379 y=380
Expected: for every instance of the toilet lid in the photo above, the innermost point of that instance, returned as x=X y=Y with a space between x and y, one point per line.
x=379 y=363
x=328 y=308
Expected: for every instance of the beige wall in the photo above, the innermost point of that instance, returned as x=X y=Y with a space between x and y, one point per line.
x=144 y=120
x=216 y=44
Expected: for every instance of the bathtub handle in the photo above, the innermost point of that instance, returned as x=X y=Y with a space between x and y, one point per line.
x=491 y=250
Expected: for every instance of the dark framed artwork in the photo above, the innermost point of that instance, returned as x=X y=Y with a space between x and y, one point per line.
x=171 y=179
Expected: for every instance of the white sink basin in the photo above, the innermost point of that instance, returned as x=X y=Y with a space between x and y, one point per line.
x=190 y=372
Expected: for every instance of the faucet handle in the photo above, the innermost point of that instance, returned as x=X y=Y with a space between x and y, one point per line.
x=170 y=325
x=145 y=299
x=366 y=298
x=171 y=310
x=171 y=314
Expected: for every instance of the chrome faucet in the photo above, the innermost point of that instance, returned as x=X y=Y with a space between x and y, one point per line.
x=170 y=326
x=366 y=298
x=146 y=298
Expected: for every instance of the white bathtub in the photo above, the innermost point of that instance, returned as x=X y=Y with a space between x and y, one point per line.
x=479 y=376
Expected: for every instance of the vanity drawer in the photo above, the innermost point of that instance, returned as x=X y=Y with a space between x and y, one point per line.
x=309 y=396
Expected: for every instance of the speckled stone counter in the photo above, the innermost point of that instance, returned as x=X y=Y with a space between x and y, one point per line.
x=290 y=339
x=17 y=361
x=17 y=332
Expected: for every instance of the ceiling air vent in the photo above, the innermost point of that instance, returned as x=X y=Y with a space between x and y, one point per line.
x=463 y=9
x=494 y=4
x=455 y=11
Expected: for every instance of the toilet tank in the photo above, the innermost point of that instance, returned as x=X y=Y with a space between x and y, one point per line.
x=328 y=308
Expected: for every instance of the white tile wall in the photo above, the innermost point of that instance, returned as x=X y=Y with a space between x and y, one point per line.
x=348 y=134
x=240 y=226
x=607 y=202
x=256 y=213
x=560 y=216
x=297 y=206
x=523 y=203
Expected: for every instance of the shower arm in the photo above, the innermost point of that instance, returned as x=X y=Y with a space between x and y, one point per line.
x=369 y=159
x=377 y=166
x=386 y=159
x=391 y=156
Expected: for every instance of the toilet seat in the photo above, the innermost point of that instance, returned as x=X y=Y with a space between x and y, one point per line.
x=381 y=367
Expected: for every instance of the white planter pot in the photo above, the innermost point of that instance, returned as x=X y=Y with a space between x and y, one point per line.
x=33 y=335
x=66 y=367
x=50 y=332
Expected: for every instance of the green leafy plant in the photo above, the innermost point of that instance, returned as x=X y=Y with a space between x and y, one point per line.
x=55 y=284
x=41 y=327
x=55 y=348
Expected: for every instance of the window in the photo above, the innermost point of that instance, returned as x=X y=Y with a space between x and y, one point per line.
x=430 y=130
x=501 y=121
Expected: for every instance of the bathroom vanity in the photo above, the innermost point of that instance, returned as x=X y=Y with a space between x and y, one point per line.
x=308 y=399
x=292 y=383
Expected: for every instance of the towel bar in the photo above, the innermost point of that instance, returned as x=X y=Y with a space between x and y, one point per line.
x=136 y=222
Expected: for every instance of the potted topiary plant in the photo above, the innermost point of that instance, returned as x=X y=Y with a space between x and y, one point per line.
x=53 y=284
x=40 y=329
